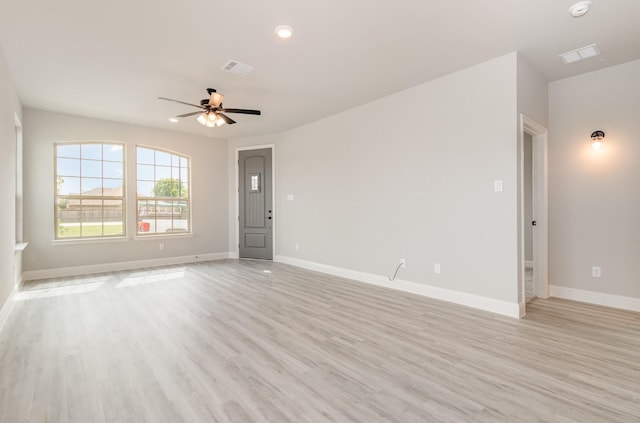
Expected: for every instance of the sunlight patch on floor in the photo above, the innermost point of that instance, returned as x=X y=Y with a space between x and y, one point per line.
x=142 y=278
x=49 y=291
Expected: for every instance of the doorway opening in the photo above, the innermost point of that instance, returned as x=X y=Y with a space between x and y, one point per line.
x=255 y=202
x=534 y=222
x=529 y=222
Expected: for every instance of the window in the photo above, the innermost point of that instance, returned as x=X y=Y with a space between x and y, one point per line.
x=163 y=192
x=89 y=198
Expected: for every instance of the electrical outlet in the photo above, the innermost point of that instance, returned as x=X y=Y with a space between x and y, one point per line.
x=436 y=267
x=161 y=246
x=297 y=247
x=497 y=186
x=403 y=262
x=596 y=271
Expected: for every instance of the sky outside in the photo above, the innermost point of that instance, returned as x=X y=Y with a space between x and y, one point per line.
x=89 y=166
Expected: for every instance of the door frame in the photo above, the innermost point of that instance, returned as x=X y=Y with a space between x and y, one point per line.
x=19 y=185
x=540 y=208
x=273 y=194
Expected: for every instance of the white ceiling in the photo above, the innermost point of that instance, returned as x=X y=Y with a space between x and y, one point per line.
x=112 y=59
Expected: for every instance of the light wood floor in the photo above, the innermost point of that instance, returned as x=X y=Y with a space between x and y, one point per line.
x=236 y=341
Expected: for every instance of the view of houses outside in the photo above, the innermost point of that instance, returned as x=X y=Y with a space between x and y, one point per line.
x=162 y=192
x=90 y=201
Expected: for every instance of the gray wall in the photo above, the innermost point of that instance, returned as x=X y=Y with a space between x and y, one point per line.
x=594 y=195
x=410 y=175
x=208 y=183
x=9 y=107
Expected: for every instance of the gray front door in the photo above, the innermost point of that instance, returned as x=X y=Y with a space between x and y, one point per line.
x=256 y=216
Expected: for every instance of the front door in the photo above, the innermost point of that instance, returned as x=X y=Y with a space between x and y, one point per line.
x=255 y=204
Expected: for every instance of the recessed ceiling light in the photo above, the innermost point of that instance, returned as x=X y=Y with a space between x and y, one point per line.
x=580 y=9
x=284 y=31
x=173 y=120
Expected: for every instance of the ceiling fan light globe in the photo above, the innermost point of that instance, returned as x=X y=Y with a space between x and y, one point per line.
x=220 y=122
x=202 y=119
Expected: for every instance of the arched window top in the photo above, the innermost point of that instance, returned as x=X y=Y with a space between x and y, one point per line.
x=163 y=191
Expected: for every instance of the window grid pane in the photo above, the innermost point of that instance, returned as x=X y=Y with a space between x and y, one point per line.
x=88 y=204
x=163 y=177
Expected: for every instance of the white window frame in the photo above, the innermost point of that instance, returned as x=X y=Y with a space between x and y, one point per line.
x=80 y=197
x=141 y=234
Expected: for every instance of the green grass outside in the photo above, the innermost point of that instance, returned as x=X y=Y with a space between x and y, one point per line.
x=89 y=231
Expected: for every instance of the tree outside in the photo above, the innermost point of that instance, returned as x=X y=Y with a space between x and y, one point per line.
x=169 y=187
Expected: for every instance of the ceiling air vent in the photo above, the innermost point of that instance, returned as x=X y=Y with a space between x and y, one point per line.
x=580 y=54
x=236 y=68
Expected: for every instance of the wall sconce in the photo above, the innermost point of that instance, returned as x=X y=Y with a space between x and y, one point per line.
x=597 y=138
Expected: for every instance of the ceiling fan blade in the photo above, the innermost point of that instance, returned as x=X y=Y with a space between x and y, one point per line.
x=188 y=114
x=226 y=119
x=243 y=111
x=181 y=102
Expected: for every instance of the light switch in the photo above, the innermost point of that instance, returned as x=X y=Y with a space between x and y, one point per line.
x=497 y=186
x=289 y=197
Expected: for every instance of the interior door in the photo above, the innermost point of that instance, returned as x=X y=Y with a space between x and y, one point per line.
x=255 y=204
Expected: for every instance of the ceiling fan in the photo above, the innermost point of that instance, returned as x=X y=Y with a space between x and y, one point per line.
x=211 y=113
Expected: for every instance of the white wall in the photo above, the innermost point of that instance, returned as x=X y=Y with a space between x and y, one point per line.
x=594 y=195
x=208 y=184
x=533 y=104
x=9 y=107
x=410 y=175
x=533 y=98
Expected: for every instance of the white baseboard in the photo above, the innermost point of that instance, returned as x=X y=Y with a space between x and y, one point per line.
x=593 y=297
x=463 y=298
x=5 y=309
x=30 y=275
x=522 y=310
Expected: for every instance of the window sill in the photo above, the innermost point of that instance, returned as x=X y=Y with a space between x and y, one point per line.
x=155 y=237
x=80 y=241
x=20 y=246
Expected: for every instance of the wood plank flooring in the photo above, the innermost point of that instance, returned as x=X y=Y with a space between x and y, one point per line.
x=250 y=341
